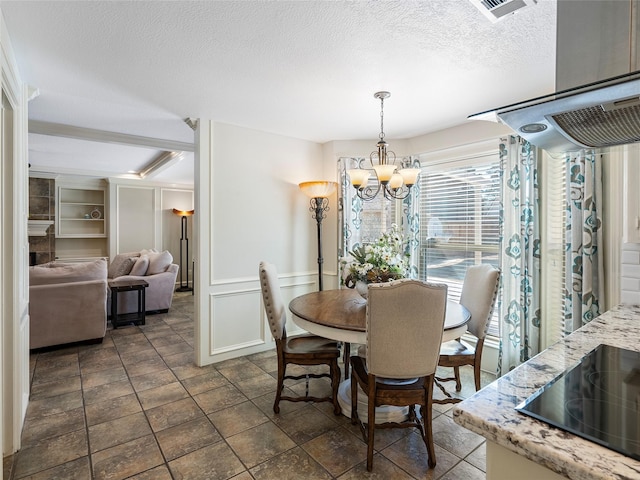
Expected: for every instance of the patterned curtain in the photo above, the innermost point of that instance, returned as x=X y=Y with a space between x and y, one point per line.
x=350 y=212
x=520 y=254
x=584 y=265
x=411 y=228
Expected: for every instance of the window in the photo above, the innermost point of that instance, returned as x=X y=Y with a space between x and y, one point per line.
x=552 y=238
x=459 y=220
x=458 y=211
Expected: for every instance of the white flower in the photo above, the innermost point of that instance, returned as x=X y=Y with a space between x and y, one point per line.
x=381 y=261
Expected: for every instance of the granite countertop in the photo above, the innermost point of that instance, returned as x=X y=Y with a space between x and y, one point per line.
x=491 y=411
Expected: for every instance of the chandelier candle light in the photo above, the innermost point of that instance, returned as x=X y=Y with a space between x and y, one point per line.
x=318 y=192
x=184 y=286
x=394 y=184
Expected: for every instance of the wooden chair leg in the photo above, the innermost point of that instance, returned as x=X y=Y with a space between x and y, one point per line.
x=428 y=430
x=335 y=383
x=347 y=359
x=371 y=422
x=354 y=400
x=279 y=387
x=477 y=362
x=476 y=373
x=456 y=373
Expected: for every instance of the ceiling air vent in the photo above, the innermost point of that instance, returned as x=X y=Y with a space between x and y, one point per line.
x=496 y=10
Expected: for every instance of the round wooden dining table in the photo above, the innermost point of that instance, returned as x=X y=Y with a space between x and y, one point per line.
x=341 y=315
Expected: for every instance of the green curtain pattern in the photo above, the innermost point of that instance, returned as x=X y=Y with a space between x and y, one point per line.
x=520 y=254
x=583 y=236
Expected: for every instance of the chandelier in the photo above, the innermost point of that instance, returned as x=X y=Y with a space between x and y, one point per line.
x=394 y=184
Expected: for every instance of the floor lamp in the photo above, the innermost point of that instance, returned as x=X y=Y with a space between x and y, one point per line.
x=319 y=193
x=184 y=244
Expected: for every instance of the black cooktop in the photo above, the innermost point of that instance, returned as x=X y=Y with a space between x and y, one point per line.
x=597 y=399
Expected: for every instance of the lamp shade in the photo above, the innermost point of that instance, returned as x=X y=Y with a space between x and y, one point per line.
x=409 y=175
x=395 y=181
x=183 y=213
x=358 y=177
x=318 y=189
x=384 y=172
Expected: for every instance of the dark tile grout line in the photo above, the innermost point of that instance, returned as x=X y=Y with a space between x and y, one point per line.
x=183 y=386
x=246 y=467
x=84 y=409
x=205 y=414
x=166 y=462
x=344 y=425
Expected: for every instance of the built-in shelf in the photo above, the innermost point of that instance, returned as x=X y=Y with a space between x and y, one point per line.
x=80 y=212
x=81 y=221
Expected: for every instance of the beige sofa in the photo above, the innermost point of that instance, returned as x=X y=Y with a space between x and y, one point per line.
x=67 y=303
x=156 y=268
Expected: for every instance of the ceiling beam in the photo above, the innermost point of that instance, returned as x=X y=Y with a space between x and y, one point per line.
x=160 y=163
x=91 y=135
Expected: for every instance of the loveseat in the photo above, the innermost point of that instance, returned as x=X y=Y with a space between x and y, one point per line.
x=67 y=303
x=156 y=268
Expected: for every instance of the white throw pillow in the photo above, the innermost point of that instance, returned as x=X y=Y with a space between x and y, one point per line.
x=141 y=266
x=159 y=262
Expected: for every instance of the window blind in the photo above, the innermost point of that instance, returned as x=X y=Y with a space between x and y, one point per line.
x=552 y=246
x=459 y=218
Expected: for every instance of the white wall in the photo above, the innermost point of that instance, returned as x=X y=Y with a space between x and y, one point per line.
x=474 y=131
x=258 y=211
x=135 y=218
x=251 y=210
x=141 y=216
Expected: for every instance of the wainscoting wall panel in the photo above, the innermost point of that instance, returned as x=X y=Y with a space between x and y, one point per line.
x=238 y=320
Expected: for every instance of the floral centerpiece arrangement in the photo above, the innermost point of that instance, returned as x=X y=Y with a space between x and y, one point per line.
x=381 y=261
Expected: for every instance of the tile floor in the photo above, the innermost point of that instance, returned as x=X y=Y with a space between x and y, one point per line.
x=136 y=406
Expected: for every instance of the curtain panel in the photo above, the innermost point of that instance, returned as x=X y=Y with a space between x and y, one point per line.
x=520 y=254
x=584 y=286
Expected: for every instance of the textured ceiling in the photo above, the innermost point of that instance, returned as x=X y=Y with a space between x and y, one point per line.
x=301 y=69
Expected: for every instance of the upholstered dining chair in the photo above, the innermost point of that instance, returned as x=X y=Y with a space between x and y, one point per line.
x=305 y=350
x=405 y=322
x=479 y=293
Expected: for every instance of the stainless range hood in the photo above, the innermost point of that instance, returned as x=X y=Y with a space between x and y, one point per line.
x=598 y=99
x=600 y=114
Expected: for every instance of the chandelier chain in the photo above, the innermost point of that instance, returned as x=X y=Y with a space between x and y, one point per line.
x=381 y=136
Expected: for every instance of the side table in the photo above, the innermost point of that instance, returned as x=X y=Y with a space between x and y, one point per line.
x=127 y=286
